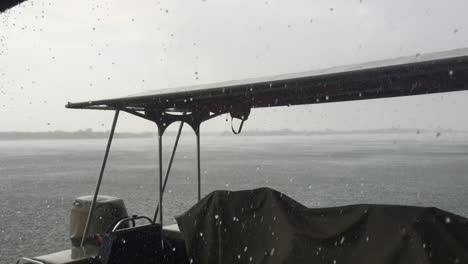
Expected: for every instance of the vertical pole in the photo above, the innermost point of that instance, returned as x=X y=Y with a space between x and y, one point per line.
x=98 y=185
x=198 y=163
x=160 y=179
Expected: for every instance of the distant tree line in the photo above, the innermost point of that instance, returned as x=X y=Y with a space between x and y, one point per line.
x=87 y=133
x=90 y=134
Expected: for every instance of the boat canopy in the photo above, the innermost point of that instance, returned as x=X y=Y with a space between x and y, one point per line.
x=419 y=74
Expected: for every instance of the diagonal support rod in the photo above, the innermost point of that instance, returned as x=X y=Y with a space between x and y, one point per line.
x=98 y=185
x=169 y=167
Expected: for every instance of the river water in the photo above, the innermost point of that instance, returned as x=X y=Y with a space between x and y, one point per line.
x=40 y=178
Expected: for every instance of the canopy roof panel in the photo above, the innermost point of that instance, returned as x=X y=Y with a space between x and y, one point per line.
x=420 y=74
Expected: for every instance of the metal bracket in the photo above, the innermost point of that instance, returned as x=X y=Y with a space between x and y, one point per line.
x=164 y=119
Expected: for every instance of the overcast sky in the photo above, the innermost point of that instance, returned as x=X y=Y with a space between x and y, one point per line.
x=52 y=52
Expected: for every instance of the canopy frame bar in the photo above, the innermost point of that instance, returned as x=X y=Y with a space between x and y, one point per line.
x=98 y=184
x=197 y=132
x=162 y=120
x=169 y=166
x=160 y=178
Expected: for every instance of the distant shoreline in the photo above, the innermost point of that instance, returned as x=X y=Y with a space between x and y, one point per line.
x=89 y=134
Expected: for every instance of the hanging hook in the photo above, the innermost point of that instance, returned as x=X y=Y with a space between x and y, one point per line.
x=239 y=130
x=240 y=112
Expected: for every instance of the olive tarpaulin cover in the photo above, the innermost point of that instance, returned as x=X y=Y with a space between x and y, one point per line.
x=266 y=226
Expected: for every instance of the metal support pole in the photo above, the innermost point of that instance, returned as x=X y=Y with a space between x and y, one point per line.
x=169 y=166
x=160 y=179
x=198 y=163
x=98 y=185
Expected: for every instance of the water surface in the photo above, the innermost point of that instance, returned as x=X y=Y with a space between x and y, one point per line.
x=40 y=178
